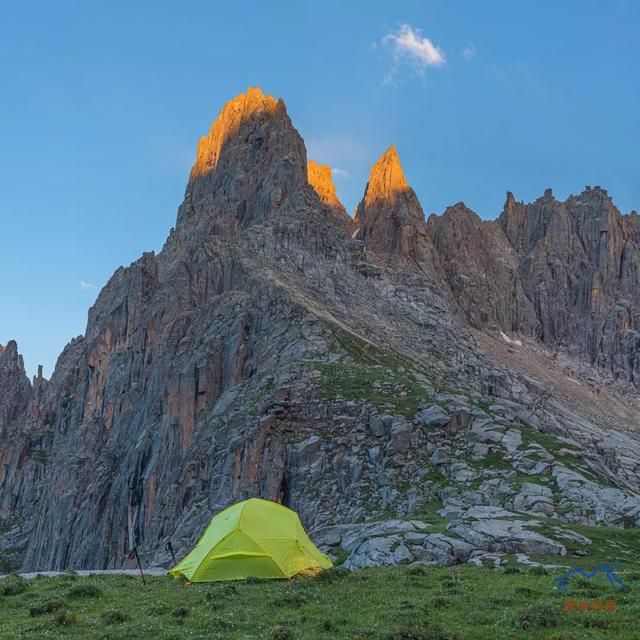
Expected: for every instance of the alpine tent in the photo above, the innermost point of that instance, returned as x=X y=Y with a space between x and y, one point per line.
x=255 y=538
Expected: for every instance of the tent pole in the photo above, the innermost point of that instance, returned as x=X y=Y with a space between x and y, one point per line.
x=137 y=557
x=169 y=547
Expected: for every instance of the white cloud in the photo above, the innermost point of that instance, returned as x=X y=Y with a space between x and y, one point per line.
x=86 y=285
x=408 y=45
x=339 y=173
x=469 y=52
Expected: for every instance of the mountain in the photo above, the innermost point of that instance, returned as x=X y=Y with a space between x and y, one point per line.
x=390 y=222
x=358 y=371
x=566 y=273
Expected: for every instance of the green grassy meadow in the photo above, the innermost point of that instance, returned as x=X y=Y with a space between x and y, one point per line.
x=404 y=603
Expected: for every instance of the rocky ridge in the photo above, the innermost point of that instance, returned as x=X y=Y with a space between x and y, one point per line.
x=566 y=273
x=269 y=350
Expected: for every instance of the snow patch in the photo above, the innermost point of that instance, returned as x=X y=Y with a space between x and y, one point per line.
x=509 y=340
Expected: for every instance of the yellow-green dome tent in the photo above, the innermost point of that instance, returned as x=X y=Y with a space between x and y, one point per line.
x=255 y=538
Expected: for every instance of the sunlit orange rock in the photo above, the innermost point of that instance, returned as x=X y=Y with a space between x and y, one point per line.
x=390 y=221
x=251 y=166
x=247 y=105
x=319 y=176
x=386 y=179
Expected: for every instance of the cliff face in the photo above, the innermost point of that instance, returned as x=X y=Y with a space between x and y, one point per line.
x=267 y=352
x=580 y=262
x=481 y=267
x=566 y=273
x=15 y=396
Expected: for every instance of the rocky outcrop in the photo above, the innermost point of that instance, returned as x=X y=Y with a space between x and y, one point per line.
x=265 y=352
x=567 y=273
x=16 y=389
x=580 y=267
x=481 y=533
x=390 y=222
x=319 y=176
x=481 y=268
x=15 y=396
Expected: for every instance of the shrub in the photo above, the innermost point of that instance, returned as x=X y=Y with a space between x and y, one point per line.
x=113 y=616
x=280 y=632
x=13 y=587
x=439 y=602
x=328 y=626
x=290 y=600
x=45 y=607
x=65 y=618
x=84 y=590
x=431 y=631
x=543 y=616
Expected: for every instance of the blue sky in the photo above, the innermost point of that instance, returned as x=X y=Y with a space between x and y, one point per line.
x=101 y=106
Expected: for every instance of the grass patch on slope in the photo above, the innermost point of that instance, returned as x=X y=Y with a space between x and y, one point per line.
x=608 y=544
x=413 y=603
x=395 y=392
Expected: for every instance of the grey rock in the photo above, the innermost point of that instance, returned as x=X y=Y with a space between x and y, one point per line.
x=435 y=416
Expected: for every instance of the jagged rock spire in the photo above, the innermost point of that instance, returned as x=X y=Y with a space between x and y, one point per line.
x=11 y=358
x=390 y=220
x=319 y=176
x=253 y=104
x=15 y=389
x=386 y=179
x=252 y=163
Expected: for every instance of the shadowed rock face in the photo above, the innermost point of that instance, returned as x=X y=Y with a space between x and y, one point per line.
x=265 y=352
x=567 y=273
x=481 y=268
x=15 y=395
x=390 y=222
x=580 y=267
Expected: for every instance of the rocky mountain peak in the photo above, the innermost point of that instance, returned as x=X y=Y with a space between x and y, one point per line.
x=510 y=202
x=252 y=105
x=319 y=176
x=250 y=164
x=390 y=220
x=386 y=178
x=10 y=359
x=460 y=211
x=15 y=393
